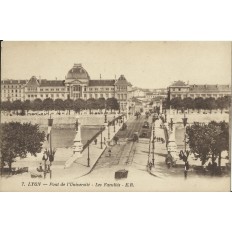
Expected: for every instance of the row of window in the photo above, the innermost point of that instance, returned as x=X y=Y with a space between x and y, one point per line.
x=122 y=96
x=200 y=95
x=16 y=95
x=46 y=95
x=12 y=86
x=16 y=91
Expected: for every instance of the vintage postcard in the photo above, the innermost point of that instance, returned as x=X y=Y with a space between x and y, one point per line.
x=115 y=116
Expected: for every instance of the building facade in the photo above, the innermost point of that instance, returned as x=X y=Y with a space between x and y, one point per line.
x=183 y=90
x=77 y=84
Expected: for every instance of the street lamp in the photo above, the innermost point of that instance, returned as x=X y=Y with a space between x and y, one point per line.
x=109 y=130
x=101 y=136
x=153 y=147
x=185 y=121
x=88 y=159
x=114 y=123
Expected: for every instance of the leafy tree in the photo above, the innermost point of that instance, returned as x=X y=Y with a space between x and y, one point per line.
x=6 y=105
x=37 y=104
x=27 y=105
x=199 y=103
x=176 y=103
x=48 y=104
x=16 y=105
x=112 y=104
x=101 y=103
x=210 y=104
x=79 y=105
x=59 y=104
x=90 y=104
x=68 y=104
x=227 y=101
x=208 y=140
x=188 y=103
x=17 y=140
x=221 y=103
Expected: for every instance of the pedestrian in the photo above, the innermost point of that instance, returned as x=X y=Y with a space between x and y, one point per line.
x=109 y=152
x=95 y=141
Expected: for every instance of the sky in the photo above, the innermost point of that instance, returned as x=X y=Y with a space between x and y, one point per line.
x=144 y=64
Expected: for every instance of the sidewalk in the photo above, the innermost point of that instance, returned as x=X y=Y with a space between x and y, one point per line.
x=160 y=152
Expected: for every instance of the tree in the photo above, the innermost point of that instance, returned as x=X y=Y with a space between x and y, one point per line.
x=221 y=103
x=59 y=104
x=7 y=106
x=210 y=104
x=78 y=105
x=199 y=103
x=27 y=105
x=17 y=105
x=112 y=104
x=101 y=103
x=68 y=104
x=37 y=104
x=188 y=103
x=90 y=104
x=48 y=104
x=227 y=101
x=17 y=140
x=176 y=103
x=208 y=140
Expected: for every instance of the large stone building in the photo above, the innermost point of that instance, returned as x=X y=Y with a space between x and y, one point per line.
x=183 y=90
x=77 y=84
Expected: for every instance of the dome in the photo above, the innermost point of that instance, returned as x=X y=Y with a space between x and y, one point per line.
x=77 y=72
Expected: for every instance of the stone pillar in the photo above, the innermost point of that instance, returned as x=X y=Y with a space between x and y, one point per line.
x=77 y=146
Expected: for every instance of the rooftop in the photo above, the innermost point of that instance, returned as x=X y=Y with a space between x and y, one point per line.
x=101 y=82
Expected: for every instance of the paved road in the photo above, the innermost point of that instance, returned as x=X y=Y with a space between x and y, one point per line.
x=122 y=153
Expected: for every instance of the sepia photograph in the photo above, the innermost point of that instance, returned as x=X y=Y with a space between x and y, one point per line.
x=120 y=116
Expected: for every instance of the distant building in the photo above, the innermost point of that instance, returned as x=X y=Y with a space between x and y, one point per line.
x=12 y=90
x=156 y=93
x=183 y=90
x=77 y=84
x=136 y=92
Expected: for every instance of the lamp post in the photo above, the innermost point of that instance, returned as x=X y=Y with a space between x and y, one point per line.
x=165 y=116
x=114 y=123
x=185 y=121
x=108 y=130
x=153 y=146
x=88 y=159
x=101 y=137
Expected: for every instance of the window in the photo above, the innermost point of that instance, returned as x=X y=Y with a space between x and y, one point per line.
x=16 y=90
x=52 y=95
x=84 y=88
x=41 y=95
x=179 y=89
x=96 y=89
x=101 y=95
x=107 y=88
x=84 y=95
x=47 y=95
x=90 y=95
x=112 y=88
x=41 y=90
x=96 y=95
x=90 y=89
x=62 y=95
x=12 y=91
x=52 y=89
x=46 y=90
x=67 y=88
x=57 y=95
x=107 y=95
x=57 y=89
